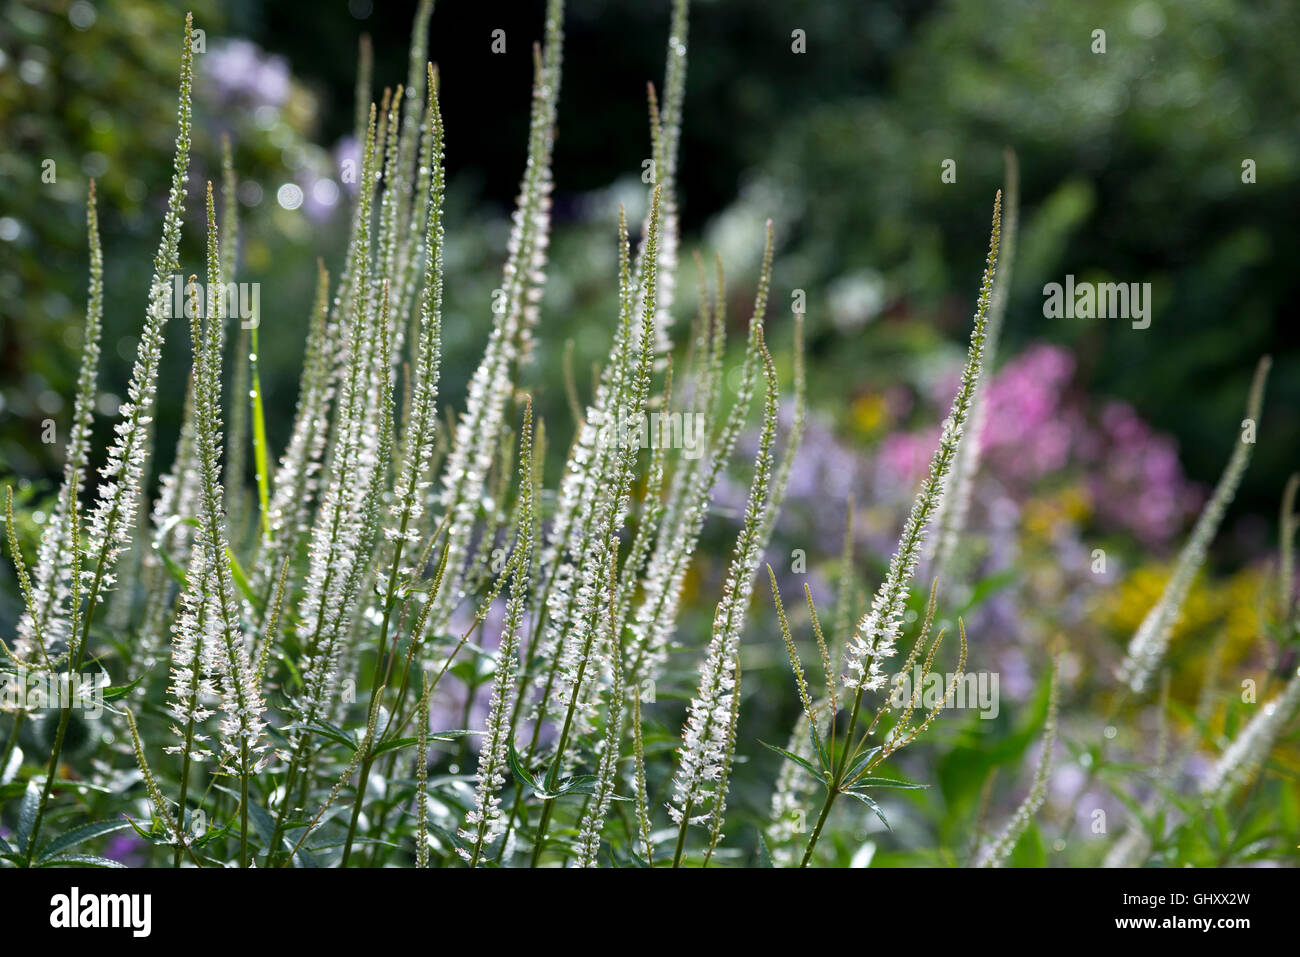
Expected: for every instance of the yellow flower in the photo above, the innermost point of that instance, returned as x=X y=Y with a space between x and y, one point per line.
x=869 y=413
x=1043 y=515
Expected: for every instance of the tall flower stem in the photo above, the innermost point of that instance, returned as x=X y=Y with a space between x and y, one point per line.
x=244 y=859
x=837 y=777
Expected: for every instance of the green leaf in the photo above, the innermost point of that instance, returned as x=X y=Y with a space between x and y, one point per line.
x=241 y=581
x=356 y=840
x=10 y=770
x=578 y=784
x=262 y=822
x=448 y=836
x=260 y=459
x=1029 y=850
x=518 y=768
x=871 y=804
x=80 y=860
x=144 y=835
x=819 y=748
x=450 y=735
x=115 y=692
x=764 y=853
x=860 y=763
x=802 y=762
x=169 y=563
x=327 y=730
x=392 y=744
x=874 y=782
x=27 y=812
x=210 y=834
x=77 y=835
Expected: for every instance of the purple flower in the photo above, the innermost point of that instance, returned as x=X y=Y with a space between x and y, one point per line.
x=1028 y=433
x=125 y=847
x=1138 y=483
x=240 y=72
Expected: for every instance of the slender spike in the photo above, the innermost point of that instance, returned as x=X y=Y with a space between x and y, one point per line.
x=483 y=823
x=44 y=625
x=492 y=383
x=422 y=779
x=238 y=501
x=120 y=494
x=796 y=666
x=995 y=854
x=642 y=792
x=877 y=636
x=705 y=740
x=951 y=522
x=1147 y=648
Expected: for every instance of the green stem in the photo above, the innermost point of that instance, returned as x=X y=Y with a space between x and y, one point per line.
x=837 y=775
x=290 y=779
x=356 y=807
x=553 y=774
x=375 y=686
x=185 y=784
x=681 y=834
x=243 y=805
x=65 y=715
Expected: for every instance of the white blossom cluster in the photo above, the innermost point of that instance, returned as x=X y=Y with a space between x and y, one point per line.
x=688 y=501
x=296 y=478
x=707 y=738
x=213 y=651
x=113 y=516
x=45 y=626
x=1243 y=758
x=483 y=821
x=408 y=495
x=583 y=633
x=346 y=519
